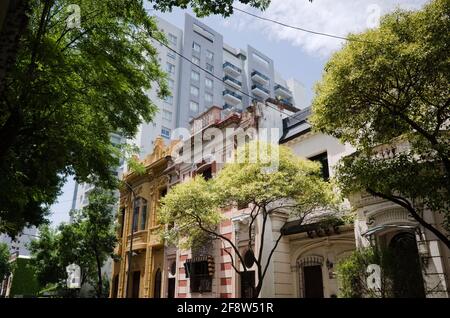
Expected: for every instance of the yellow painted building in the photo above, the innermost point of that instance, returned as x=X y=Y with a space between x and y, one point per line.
x=138 y=229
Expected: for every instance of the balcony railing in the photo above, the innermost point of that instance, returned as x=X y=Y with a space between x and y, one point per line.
x=228 y=92
x=283 y=89
x=235 y=81
x=232 y=67
x=260 y=75
x=260 y=87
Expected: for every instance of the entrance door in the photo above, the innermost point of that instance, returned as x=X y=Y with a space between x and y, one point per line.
x=247 y=284
x=157 y=289
x=313 y=282
x=407 y=273
x=136 y=284
x=171 y=288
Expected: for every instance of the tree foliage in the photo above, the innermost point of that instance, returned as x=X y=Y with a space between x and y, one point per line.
x=206 y=7
x=68 y=90
x=87 y=241
x=391 y=86
x=194 y=208
x=5 y=267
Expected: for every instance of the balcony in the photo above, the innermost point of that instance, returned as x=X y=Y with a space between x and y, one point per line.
x=260 y=91
x=232 y=82
x=231 y=97
x=282 y=91
x=260 y=78
x=231 y=69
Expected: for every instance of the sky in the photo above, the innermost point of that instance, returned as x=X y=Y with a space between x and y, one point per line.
x=296 y=54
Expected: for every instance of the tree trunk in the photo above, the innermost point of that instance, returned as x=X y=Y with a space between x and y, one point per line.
x=99 y=273
x=13 y=23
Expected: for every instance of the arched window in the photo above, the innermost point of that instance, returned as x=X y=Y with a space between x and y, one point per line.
x=157 y=289
x=310 y=277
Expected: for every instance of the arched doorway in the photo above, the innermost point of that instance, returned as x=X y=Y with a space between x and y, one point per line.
x=407 y=279
x=157 y=289
x=310 y=277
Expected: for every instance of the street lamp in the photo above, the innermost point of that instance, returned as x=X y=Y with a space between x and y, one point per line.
x=130 y=253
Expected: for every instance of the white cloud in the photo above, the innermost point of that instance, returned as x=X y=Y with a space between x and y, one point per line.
x=327 y=16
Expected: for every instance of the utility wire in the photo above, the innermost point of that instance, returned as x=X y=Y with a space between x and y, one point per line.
x=299 y=28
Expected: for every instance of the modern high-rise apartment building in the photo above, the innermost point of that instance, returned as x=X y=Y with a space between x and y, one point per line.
x=212 y=73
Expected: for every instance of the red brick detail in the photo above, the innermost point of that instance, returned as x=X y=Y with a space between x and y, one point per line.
x=182 y=270
x=222 y=251
x=225 y=295
x=225 y=281
x=227 y=235
x=182 y=283
x=181 y=295
x=225 y=266
x=226 y=223
x=183 y=258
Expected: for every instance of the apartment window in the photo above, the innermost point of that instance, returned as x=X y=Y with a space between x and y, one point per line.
x=165 y=132
x=208 y=98
x=194 y=91
x=196 y=47
x=323 y=160
x=195 y=60
x=208 y=83
x=171 y=55
x=171 y=83
x=170 y=68
x=167 y=115
x=209 y=55
x=143 y=222
x=209 y=68
x=198 y=271
x=169 y=99
x=172 y=39
x=193 y=107
x=195 y=76
x=135 y=221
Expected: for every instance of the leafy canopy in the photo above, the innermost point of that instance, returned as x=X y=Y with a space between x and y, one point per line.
x=391 y=87
x=68 y=90
x=5 y=267
x=87 y=241
x=206 y=7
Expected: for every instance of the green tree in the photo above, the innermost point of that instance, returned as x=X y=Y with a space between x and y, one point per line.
x=46 y=259
x=95 y=224
x=87 y=241
x=68 y=90
x=192 y=209
x=387 y=87
x=5 y=267
x=206 y=7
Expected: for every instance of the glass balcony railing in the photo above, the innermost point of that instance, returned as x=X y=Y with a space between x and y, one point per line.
x=235 y=81
x=233 y=67
x=260 y=87
x=282 y=88
x=228 y=92
x=259 y=74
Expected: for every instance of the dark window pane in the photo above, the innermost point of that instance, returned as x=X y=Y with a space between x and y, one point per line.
x=323 y=160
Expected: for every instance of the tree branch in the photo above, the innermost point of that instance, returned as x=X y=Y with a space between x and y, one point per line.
x=407 y=205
